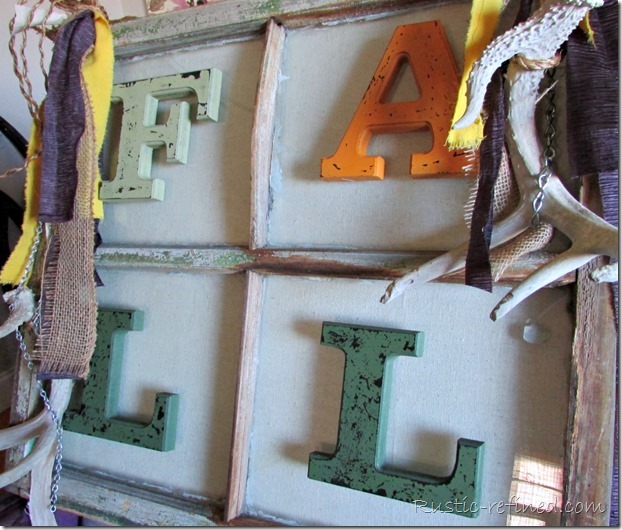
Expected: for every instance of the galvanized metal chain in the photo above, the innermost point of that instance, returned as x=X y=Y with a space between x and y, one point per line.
x=58 y=456
x=549 y=152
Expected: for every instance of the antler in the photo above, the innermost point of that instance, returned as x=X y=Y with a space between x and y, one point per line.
x=591 y=236
x=538 y=38
x=21 y=303
x=40 y=460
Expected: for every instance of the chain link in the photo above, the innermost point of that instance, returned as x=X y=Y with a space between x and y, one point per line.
x=31 y=257
x=549 y=152
x=21 y=341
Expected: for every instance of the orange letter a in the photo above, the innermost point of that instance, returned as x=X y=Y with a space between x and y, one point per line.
x=424 y=46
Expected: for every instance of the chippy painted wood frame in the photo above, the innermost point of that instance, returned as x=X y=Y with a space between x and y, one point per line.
x=591 y=402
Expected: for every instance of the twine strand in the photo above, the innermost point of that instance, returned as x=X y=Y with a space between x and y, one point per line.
x=21 y=68
x=537 y=64
x=17 y=169
x=20 y=62
x=41 y=50
x=18 y=51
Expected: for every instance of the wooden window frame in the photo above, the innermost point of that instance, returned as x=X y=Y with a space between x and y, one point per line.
x=590 y=426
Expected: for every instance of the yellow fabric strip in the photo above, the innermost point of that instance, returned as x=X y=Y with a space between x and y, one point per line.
x=16 y=264
x=587 y=29
x=97 y=72
x=484 y=19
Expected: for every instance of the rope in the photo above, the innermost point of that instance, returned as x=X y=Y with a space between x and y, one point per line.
x=537 y=64
x=14 y=170
x=19 y=53
x=20 y=62
x=76 y=6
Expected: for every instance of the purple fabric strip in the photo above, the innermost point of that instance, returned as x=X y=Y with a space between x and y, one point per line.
x=64 y=119
x=593 y=108
x=524 y=10
x=477 y=269
x=593 y=81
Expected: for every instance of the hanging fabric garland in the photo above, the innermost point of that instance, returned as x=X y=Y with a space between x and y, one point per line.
x=61 y=189
x=54 y=256
x=496 y=185
x=69 y=308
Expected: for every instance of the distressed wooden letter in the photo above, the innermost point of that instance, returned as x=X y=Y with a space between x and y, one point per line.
x=425 y=49
x=97 y=415
x=140 y=135
x=357 y=461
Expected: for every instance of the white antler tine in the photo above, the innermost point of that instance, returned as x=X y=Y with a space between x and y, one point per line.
x=539 y=37
x=40 y=461
x=22 y=432
x=41 y=427
x=578 y=222
x=523 y=93
x=21 y=304
x=455 y=259
x=433 y=269
x=606 y=273
x=46 y=435
x=41 y=478
x=40 y=487
x=498 y=51
x=60 y=395
x=555 y=269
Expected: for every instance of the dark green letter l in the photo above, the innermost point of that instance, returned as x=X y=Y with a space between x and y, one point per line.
x=357 y=461
x=98 y=414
